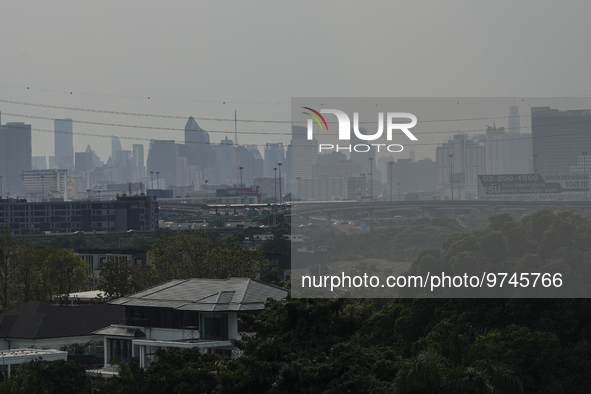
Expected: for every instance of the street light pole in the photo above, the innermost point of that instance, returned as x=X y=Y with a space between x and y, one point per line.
x=275 y=189
x=399 y=196
x=157 y=179
x=280 y=189
x=371 y=177
x=241 y=168
x=586 y=178
x=451 y=175
x=207 y=180
x=151 y=179
x=535 y=172
x=391 y=164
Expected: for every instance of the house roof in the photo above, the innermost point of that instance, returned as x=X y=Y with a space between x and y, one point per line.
x=206 y=295
x=37 y=320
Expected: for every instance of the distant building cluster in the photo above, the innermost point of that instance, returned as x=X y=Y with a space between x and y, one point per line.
x=558 y=143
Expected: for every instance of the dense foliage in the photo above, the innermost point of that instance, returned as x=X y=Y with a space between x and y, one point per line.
x=42 y=273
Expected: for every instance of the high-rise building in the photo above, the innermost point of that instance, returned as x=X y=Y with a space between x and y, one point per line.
x=258 y=164
x=466 y=156
x=274 y=153
x=115 y=147
x=64 y=144
x=138 y=161
x=304 y=153
x=497 y=150
x=163 y=158
x=559 y=137
x=198 y=148
x=83 y=162
x=514 y=120
x=15 y=154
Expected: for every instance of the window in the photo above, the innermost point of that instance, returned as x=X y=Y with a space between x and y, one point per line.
x=214 y=326
x=120 y=348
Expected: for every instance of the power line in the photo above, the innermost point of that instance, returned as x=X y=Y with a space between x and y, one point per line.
x=219 y=119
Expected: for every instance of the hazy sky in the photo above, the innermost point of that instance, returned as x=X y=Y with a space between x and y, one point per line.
x=207 y=59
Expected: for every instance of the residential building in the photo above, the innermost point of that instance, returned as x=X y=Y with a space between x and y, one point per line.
x=95 y=258
x=42 y=326
x=128 y=213
x=187 y=313
x=40 y=183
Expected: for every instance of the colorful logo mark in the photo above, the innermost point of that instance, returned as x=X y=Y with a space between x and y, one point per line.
x=315 y=117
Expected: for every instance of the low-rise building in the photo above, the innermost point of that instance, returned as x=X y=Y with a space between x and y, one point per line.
x=200 y=313
x=42 y=326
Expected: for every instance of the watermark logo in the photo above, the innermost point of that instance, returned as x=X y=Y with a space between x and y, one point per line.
x=345 y=129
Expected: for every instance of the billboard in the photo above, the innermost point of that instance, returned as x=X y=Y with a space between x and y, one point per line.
x=533 y=187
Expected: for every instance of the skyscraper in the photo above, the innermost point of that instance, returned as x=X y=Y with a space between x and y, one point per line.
x=163 y=158
x=64 y=144
x=497 y=150
x=514 y=120
x=198 y=148
x=115 y=147
x=559 y=137
x=274 y=153
x=304 y=153
x=139 y=167
x=15 y=154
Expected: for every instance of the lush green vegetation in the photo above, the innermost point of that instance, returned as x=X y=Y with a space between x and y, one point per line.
x=404 y=345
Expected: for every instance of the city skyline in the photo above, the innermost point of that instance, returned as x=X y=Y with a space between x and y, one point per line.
x=257 y=63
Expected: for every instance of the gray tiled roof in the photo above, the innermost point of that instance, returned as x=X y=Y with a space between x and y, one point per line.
x=233 y=294
x=37 y=320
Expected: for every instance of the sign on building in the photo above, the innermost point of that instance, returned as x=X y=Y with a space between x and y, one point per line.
x=533 y=187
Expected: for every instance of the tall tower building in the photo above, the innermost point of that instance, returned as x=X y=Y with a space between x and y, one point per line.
x=15 y=155
x=139 y=167
x=115 y=147
x=64 y=144
x=304 y=153
x=496 y=150
x=197 y=146
x=514 y=120
x=163 y=158
x=274 y=153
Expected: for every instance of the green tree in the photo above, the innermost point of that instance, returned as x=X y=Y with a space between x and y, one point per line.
x=47 y=377
x=120 y=277
x=63 y=272
x=196 y=255
x=465 y=368
x=8 y=259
